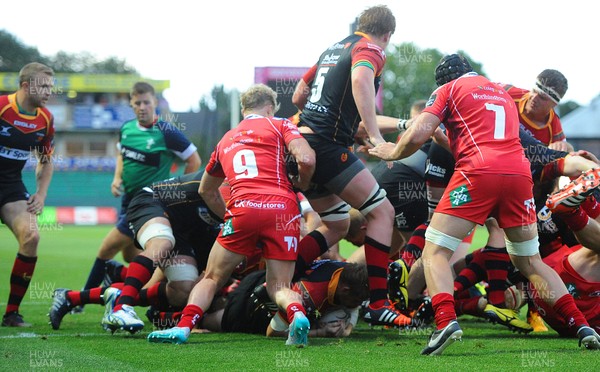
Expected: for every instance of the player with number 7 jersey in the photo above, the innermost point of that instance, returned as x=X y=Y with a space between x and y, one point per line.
x=467 y=106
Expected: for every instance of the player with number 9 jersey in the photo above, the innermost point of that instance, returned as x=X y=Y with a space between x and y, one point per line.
x=263 y=203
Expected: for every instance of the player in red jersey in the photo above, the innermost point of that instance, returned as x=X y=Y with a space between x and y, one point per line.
x=483 y=131
x=536 y=108
x=26 y=128
x=263 y=210
x=580 y=271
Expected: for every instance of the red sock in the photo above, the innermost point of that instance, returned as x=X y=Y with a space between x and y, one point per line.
x=565 y=307
x=139 y=273
x=472 y=274
x=467 y=306
x=497 y=264
x=591 y=207
x=20 y=278
x=123 y=273
x=292 y=309
x=90 y=296
x=377 y=261
x=443 y=305
x=190 y=316
x=154 y=295
x=414 y=247
x=576 y=220
x=310 y=247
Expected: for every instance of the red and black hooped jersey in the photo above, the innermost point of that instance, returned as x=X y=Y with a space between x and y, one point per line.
x=330 y=110
x=20 y=136
x=318 y=285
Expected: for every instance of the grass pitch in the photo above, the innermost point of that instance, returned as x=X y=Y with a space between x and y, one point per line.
x=66 y=254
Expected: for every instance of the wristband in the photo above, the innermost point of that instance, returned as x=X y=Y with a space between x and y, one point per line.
x=402 y=125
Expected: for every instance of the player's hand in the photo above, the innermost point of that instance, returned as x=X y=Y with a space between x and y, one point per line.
x=335 y=328
x=383 y=151
x=586 y=154
x=116 y=188
x=35 y=204
x=559 y=146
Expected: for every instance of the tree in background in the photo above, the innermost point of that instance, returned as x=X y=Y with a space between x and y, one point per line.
x=215 y=116
x=409 y=76
x=14 y=54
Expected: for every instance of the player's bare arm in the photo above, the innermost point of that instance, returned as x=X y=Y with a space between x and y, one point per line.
x=43 y=175
x=209 y=191
x=306 y=160
x=363 y=90
x=192 y=163
x=420 y=131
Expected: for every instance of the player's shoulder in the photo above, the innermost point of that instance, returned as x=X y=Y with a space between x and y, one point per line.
x=4 y=101
x=45 y=112
x=128 y=124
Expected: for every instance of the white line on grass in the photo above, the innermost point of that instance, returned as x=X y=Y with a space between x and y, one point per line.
x=34 y=335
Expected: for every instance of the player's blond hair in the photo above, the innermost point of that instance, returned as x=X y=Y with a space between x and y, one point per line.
x=31 y=70
x=258 y=96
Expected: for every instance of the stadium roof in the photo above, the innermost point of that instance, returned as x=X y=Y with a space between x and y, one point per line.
x=583 y=122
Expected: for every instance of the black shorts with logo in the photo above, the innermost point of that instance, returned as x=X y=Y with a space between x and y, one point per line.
x=12 y=192
x=440 y=165
x=336 y=167
x=407 y=192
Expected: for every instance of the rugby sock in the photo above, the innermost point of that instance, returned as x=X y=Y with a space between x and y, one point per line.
x=591 y=207
x=576 y=220
x=96 y=274
x=473 y=273
x=414 y=247
x=20 y=278
x=497 y=264
x=123 y=273
x=292 y=309
x=153 y=295
x=468 y=306
x=88 y=296
x=190 y=316
x=566 y=308
x=443 y=305
x=377 y=263
x=140 y=271
x=310 y=247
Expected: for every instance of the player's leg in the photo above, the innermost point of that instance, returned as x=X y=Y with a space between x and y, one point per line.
x=443 y=236
x=156 y=236
x=24 y=226
x=182 y=275
x=113 y=243
x=335 y=221
x=221 y=263
x=278 y=286
x=522 y=245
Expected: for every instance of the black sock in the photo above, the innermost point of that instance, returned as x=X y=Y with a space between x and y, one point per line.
x=96 y=274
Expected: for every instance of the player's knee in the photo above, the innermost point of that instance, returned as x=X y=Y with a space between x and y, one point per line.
x=28 y=242
x=156 y=236
x=377 y=205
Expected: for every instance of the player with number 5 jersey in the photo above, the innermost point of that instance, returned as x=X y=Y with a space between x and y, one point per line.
x=262 y=211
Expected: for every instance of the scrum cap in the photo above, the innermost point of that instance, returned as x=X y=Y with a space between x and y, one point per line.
x=451 y=67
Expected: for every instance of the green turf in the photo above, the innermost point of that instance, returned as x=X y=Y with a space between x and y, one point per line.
x=66 y=254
